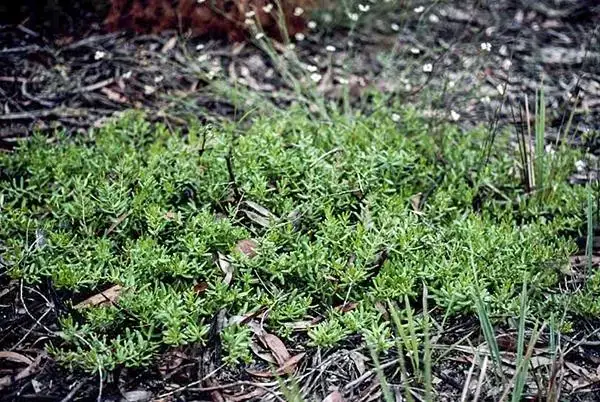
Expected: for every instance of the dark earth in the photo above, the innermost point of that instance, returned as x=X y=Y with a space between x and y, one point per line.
x=65 y=72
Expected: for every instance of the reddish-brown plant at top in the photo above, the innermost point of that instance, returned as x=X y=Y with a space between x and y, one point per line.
x=233 y=19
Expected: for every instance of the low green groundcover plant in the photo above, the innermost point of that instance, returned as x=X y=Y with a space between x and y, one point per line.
x=366 y=210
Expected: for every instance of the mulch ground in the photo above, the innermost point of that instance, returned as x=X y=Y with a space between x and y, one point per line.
x=76 y=80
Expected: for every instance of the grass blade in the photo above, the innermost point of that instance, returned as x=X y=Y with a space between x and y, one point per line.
x=427 y=349
x=589 y=244
x=385 y=388
x=521 y=375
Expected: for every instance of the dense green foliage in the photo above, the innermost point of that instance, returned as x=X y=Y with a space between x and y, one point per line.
x=361 y=209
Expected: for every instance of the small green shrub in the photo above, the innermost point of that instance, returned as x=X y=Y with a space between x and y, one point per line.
x=361 y=209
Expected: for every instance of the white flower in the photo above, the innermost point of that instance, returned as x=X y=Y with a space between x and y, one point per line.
x=487 y=46
x=353 y=16
x=203 y=57
x=580 y=166
x=415 y=50
x=506 y=64
x=434 y=19
x=249 y=21
x=200 y=46
x=330 y=48
x=454 y=115
x=298 y=11
x=259 y=36
x=312 y=68
x=127 y=75
x=299 y=36
x=419 y=9
x=316 y=77
x=342 y=80
x=99 y=55
x=250 y=14
x=500 y=89
x=428 y=68
x=503 y=50
x=268 y=8
x=364 y=7
x=200 y=1
x=158 y=78
x=486 y=100
x=395 y=117
x=291 y=46
x=395 y=27
x=312 y=24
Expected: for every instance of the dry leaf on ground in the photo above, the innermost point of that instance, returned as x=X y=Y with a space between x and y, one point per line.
x=107 y=297
x=247 y=247
x=226 y=267
x=277 y=348
x=15 y=357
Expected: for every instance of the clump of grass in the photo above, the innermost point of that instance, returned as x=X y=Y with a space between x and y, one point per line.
x=364 y=209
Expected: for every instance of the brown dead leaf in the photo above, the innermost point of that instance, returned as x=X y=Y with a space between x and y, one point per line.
x=344 y=308
x=335 y=396
x=15 y=357
x=260 y=352
x=226 y=267
x=113 y=95
x=201 y=287
x=286 y=368
x=257 y=328
x=248 y=319
x=277 y=348
x=31 y=369
x=259 y=214
x=290 y=365
x=169 y=45
x=109 y=296
x=507 y=342
x=247 y=247
x=258 y=219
